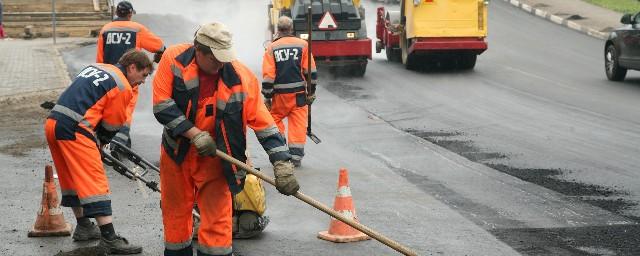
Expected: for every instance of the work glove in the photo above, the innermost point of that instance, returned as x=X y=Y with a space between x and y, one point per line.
x=119 y=138
x=103 y=139
x=205 y=145
x=103 y=135
x=267 y=102
x=123 y=137
x=157 y=56
x=310 y=99
x=286 y=183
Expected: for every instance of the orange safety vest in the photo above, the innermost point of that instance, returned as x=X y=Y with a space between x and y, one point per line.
x=119 y=36
x=175 y=99
x=284 y=66
x=94 y=104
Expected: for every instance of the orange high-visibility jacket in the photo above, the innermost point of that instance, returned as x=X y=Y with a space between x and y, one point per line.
x=123 y=135
x=175 y=99
x=284 y=66
x=94 y=104
x=121 y=35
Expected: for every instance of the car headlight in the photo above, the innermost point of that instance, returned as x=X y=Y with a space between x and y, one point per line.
x=351 y=35
x=304 y=36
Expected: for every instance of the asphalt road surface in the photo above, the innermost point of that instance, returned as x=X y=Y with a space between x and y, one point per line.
x=533 y=152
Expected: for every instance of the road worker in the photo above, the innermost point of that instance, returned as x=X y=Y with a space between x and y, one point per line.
x=284 y=72
x=115 y=39
x=205 y=99
x=86 y=116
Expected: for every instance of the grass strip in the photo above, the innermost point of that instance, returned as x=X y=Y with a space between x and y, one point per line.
x=623 y=6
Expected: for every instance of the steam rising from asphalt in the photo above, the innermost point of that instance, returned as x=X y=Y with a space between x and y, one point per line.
x=176 y=22
x=247 y=20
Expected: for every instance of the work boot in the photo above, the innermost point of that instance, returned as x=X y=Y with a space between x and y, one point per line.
x=296 y=163
x=120 y=245
x=86 y=233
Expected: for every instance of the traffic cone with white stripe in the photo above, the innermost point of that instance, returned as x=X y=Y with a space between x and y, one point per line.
x=339 y=232
x=50 y=221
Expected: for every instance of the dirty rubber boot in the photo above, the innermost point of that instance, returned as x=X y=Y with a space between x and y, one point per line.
x=120 y=246
x=86 y=233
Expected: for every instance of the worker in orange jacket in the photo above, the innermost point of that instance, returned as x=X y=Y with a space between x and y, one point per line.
x=284 y=72
x=86 y=116
x=115 y=39
x=205 y=99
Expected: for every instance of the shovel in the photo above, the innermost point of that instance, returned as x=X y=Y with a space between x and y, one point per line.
x=320 y=206
x=310 y=134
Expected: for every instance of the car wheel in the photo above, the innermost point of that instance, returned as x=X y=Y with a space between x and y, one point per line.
x=611 y=65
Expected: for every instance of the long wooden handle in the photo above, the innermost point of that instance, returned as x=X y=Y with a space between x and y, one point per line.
x=318 y=205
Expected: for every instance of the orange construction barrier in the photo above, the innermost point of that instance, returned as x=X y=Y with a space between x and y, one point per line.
x=339 y=232
x=50 y=221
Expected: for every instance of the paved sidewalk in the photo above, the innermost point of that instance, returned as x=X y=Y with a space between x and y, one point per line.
x=33 y=66
x=576 y=14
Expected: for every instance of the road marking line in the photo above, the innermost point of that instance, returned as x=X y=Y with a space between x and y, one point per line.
x=540 y=77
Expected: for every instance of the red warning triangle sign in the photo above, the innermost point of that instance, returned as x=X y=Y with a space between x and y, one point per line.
x=328 y=22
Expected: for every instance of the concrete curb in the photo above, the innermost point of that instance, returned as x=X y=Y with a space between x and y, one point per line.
x=559 y=20
x=62 y=67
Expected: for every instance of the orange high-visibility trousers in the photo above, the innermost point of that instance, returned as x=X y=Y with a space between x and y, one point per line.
x=82 y=177
x=291 y=106
x=179 y=184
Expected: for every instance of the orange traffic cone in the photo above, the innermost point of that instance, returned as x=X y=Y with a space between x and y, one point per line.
x=50 y=221
x=339 y=232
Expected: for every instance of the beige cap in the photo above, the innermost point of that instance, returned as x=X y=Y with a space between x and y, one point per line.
x=218 y=38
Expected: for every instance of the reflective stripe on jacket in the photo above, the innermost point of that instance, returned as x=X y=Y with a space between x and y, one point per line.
x=284 y=66
x=175 y=99
x=121 y=35
x=96 y=101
